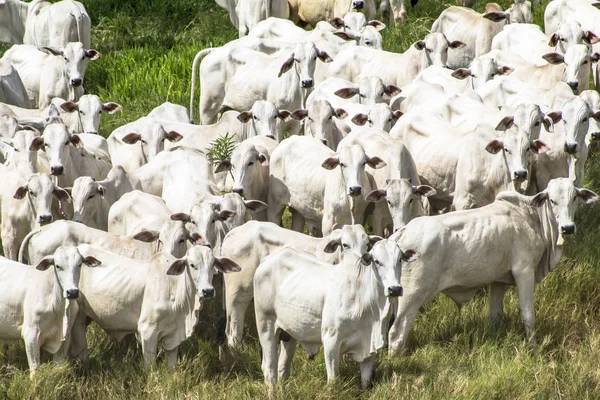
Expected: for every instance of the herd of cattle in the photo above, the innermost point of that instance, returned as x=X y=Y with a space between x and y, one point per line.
x=486 y=115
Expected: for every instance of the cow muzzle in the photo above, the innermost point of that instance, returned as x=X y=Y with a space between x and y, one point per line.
x=208 y=292
x=567 y=229
x=238 y=190
x=72 y=294
x=574 y=85
x=355 y=190
x=307 y=83
x=520 y=175
x=76 y=82
x=358 y=4
x=45 y=219
x=57 y=170
x=570 y=148
x=395 y=291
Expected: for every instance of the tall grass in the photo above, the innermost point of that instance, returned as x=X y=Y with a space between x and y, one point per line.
x=147 y=48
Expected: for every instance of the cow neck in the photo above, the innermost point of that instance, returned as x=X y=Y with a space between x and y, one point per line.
x=185 y=291
x=292 y=82
x=548 y=228
x=358 y=290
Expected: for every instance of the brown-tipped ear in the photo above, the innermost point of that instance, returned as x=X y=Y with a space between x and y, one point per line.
x=331 y=162
x=360 y=119
x=284 y=115
x=147 y=236
x=539 y=199
x=461 y=73
x=554 y=40
x=245 y=116
x=494 y=147
x=223 y=166
x=590 y=37
x=377 y=24
x=505 y=70
x=224 y=215
x=597 y=5
x=46 y=263
x=53 y=50
x=505 y=123
x=595 y=114
x=69 y=106
x=177 y=267
x=324 y=57
x=263 y=160
x=61 y=194
x=410 y=256
x=375 y=162
x=337 y=22
x=131 y=138
x=183 y=217
x=420 y=45
x=595 y=57
x=91 y=262
x=587 y=196
x=340 y=113
x=196 y=238
x=346 y=93
x=374 y=239
x=92 y=54
x=376 y=195
x=391 y=90
x=226 y=265
x=76 y=141
x=456 y=44
x=224 y=108
x=111 y=108
x=397 y=114
x=255 y=205
x=173 y=136
x=554 y=58
x=555 y=116
x=287 y=65
x=539 y=147
x=20 y=193
x=495 y=16
x=424 y=190
x=332 y=246
x=36 y=144
x=299 y=115
x=346 y=36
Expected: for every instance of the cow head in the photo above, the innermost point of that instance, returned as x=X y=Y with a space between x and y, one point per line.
x=592 y=97
x=435 y=49
x=370 y=90
x=57 y=145
x=482 y=69
x=264 y=117
x=352 y=238
x=76 y=59
x=206 y=219
x=22 y=147
x=152 y=138
x=569 y=34
x=379 y=116
x=578 y=63
x=39 y=190
x=304 y=58
x=172 y=237
x=387 y=262
x=529 y=118
x=576 y=116
x=318 y=120
x=87 y=197
x=87 y=112
x=352 y=160
x=202 y=265
x=249 y=167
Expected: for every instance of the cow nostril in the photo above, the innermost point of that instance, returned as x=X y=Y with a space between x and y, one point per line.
x=208 y=292
x=573 y=85
x=359 y=4
x=92 y=133
x=567 y=229
x=44 y=219
x=57 y=170
x=76 y=82
x=239 y=191
x=355 y=190
x=395 y=291
x=72 y=294
x=520 y=174
x=571 y=148
x=307 y=83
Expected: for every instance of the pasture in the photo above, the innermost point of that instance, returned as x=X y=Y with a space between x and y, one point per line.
x=147 y=49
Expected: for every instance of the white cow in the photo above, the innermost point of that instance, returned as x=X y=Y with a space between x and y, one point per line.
x=319 y=122
x=157 y=299
x=37 y=302
x=58 y=74
x=249 y=244
x=312 y=11
x=12 y=90
x=302 y=299
x=325 y=200
x=57 y=24
x=465 y=250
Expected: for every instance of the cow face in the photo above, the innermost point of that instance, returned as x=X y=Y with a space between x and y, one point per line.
x=206 y=219
x=202 y=264
x=592 y=97
x=569 y=34
x=39 y=191
x=400 y=195
x=87 y=112
x=87 y=200
x=482 y=69
x=352 y=21
x=172 y=237
x=529 y=118
x=67 y=263
x=76 y=59
x=435 y=49
x=578 y=64
x=379 y=116
x=576 y=116
x=351 y=161
x=264 y=118
x=370 y=90
x=318 y=120
x=248 y=166
x=151 y=136
x=57 y=145
x=351 y=238
x=304 y=58
x=387 y=260
x=564 y=198
x=22 y=148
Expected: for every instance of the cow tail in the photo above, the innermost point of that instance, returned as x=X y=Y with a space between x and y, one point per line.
x=23 y=252
x=201 y=54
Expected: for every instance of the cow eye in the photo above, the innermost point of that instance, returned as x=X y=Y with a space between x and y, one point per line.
x=91 y=197
x=344 y=245
x=553 y=202
x=100 y=112
x=255 y=118
x=80 y=112
x=342 y=165
x=82 y=58
x=537 y=123
x=58 y=267
x=212 y=221
x=410 y=201
x=66 y=59
x=585 y=120
x=46 y=145
x=315 y=58
x=193 y=266
x=31 y=193
x=251 y=163
x=368 y=42
x=585 y=62
x=507 y=150
x=67 y=143
x=377 y=262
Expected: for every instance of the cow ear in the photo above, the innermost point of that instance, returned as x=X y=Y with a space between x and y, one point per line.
x=287 y=65
x=340 y=113
x=323 y=56
x=173 y=136
x=331 y=162
x=264 y=160
x=360 y=119
x=255 y=205
x=46 y=263
x=76 y=141
x=337 y=23
x=374 y=239
x=554 y=58
x=410 y=256
x=461 y=73
x=595 y=114
x=226 y=265
x=147 y=236
x=299 y=115
x=332 y=246
x=111 y=108
x=346 y=36
x=224 y=215
x=36 y=144
x=539 y=147
x=587 y=196
x=69 y=106
x=505 y=123
x=375 y=162
x=92 y=54
x=20 y=193
x=539 y=199
x=177 y=267
x=391 y=90
x=53 y=50
x=420 y=45
x=595 y=57
x=377 y=24
x=424 y=190
x=550 y=119
x=131 y=138
x=494 y=147
x=284 y=115
x=505 y=70
x=196 y=238
x=53 y=111
x=223 y=166
x=590 y=37
x=495 y=16
x=61 y=194
x=456 y=44
x=554 y=40
x=555 y=115
x=346 y=93
x=376 y=195
x=91 y=262
x=185 y=218
x=245 y=116
x=101 y=191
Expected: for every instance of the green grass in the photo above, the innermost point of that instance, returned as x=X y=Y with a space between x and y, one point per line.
x=147 y=49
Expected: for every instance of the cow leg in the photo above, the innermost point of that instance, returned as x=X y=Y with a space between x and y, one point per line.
x=171 y=357
x=236 y=314
x=286 y=356
x=497 y=291
x=384 y=9
x=268 y=344
x=406 y=312
x=149 y=340
x=298 y=221
x=367 y=371
x=525 y=280
x=331 y=347
x=275 y=211
x=79 y=347
x=32 y=348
